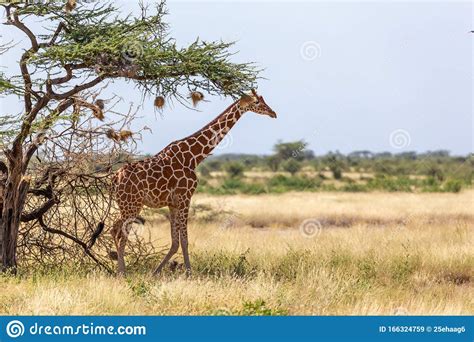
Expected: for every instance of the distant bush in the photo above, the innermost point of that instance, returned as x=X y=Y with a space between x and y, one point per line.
x=292 y=166
x=452 y=185
x=232 y=185
x=336 y=171
x=436 y=172
x=405 y=172
x=282 y=183
x=382 y=182
x=273 y=162
x=292 y=150
x=354 y=187
x=235 y=169
x=430 y=184
x=254 y=189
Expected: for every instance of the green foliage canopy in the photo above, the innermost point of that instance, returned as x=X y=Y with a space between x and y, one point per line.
x=79 y=49
x=97 y=40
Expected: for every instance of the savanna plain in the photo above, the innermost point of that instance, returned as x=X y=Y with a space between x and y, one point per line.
x=294 y=253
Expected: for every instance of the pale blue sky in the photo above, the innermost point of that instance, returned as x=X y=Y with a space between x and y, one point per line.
x=380 y=67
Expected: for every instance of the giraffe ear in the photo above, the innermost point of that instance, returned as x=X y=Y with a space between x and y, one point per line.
x=246 y=100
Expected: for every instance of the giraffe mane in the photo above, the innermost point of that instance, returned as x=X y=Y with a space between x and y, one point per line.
x=195 y=134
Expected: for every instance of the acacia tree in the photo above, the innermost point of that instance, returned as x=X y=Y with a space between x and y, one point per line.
x=84 y=46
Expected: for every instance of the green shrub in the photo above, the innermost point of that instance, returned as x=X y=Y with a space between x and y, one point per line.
x=273 y=162
x=402 y=268
x=452 y=185
x=232 y=184
x=235 y=169
x=139 y=288
x=367 y=271
x=292 y=166
x=290 y=265
x=387 y=183
x=282 y=183
x=336 y=171
x=260 y=308
x=254 y=189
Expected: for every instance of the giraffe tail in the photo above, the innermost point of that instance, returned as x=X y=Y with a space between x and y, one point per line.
x=140 y=220
x=95 y=234
x=100 y=229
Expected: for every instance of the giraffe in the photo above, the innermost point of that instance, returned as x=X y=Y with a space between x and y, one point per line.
x=169 y=179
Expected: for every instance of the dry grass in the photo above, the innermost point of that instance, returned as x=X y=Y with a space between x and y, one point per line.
x=376 y=253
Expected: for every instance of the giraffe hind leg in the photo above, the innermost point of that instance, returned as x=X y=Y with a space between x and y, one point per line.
x=174 y=242
x=179 y=219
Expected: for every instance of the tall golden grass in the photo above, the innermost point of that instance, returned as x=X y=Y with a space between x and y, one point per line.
x=369 y=253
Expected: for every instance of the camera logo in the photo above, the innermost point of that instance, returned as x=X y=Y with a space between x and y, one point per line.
x=15 y=329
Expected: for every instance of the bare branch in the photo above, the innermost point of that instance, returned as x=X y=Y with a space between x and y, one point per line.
x=75 y=240
x=40 y=211
x=34 y=42
x=75 y=90
x=55 y=36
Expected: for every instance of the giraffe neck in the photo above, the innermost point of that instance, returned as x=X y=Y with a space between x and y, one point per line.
x=212 y=134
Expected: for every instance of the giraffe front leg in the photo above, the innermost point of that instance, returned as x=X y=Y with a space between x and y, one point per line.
x=183 y=236
x=182 y=222
x=122 y=242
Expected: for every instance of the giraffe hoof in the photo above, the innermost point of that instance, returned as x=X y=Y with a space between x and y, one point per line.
x=174 y=265
x=156 y=273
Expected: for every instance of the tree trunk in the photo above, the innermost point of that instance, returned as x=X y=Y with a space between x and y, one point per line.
x=16 y=188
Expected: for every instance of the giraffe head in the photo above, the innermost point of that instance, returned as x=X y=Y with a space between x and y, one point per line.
x=255 y=103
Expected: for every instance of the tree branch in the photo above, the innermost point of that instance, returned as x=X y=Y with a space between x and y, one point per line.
x=56 y=33
x=39 y=212
x=75 y=240
x=16 y=152
x=74 y=91
x=33 y=147
x=69 y=68
x=3 y=167
x=23 y=61
x=34 y=42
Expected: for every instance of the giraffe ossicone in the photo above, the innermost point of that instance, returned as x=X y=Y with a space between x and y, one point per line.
x=169 y=179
